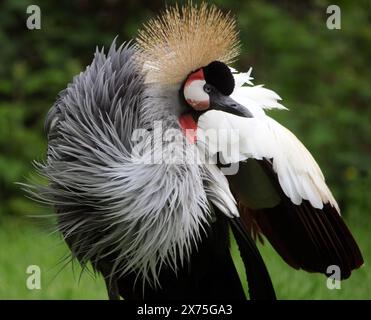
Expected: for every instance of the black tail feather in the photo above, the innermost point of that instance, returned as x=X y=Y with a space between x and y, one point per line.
x=260 y=284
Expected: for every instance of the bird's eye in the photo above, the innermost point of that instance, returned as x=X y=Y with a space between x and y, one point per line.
x=207 y=88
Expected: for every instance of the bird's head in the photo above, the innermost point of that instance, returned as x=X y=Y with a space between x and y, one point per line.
x=209 y=88
x=184 y=53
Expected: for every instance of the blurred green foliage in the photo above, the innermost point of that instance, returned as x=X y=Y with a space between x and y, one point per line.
x=321 y=74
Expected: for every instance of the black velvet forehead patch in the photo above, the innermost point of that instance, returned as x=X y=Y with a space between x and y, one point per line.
x=220 y=76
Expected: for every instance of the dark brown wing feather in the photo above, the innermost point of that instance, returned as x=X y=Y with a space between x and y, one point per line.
x=305 y=237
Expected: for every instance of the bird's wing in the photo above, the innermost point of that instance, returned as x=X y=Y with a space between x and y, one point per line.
x=306 y=237
x=263 y=138
x=279 y=186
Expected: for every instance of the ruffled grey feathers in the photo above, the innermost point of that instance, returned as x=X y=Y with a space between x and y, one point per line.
x=108 y=202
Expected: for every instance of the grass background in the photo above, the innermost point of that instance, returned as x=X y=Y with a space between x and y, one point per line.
x=29 y=244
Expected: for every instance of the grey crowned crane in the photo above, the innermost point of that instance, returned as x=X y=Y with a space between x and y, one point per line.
x=146 y=207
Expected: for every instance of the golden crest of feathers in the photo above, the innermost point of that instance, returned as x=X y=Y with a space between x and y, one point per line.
x=184 y=39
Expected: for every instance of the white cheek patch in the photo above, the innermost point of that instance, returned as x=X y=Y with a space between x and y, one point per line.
x=195 y=95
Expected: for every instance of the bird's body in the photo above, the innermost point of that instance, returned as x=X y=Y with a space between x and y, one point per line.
x=132 y=191
x=209 y=273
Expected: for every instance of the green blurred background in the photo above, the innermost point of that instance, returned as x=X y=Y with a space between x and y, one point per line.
x=321 y=74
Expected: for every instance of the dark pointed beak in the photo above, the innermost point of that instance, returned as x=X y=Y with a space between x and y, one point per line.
x=224 y=103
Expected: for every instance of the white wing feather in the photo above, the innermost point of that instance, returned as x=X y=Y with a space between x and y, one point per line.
x=262 y=137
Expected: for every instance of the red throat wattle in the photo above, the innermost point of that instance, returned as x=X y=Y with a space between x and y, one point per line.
x=189 y=126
